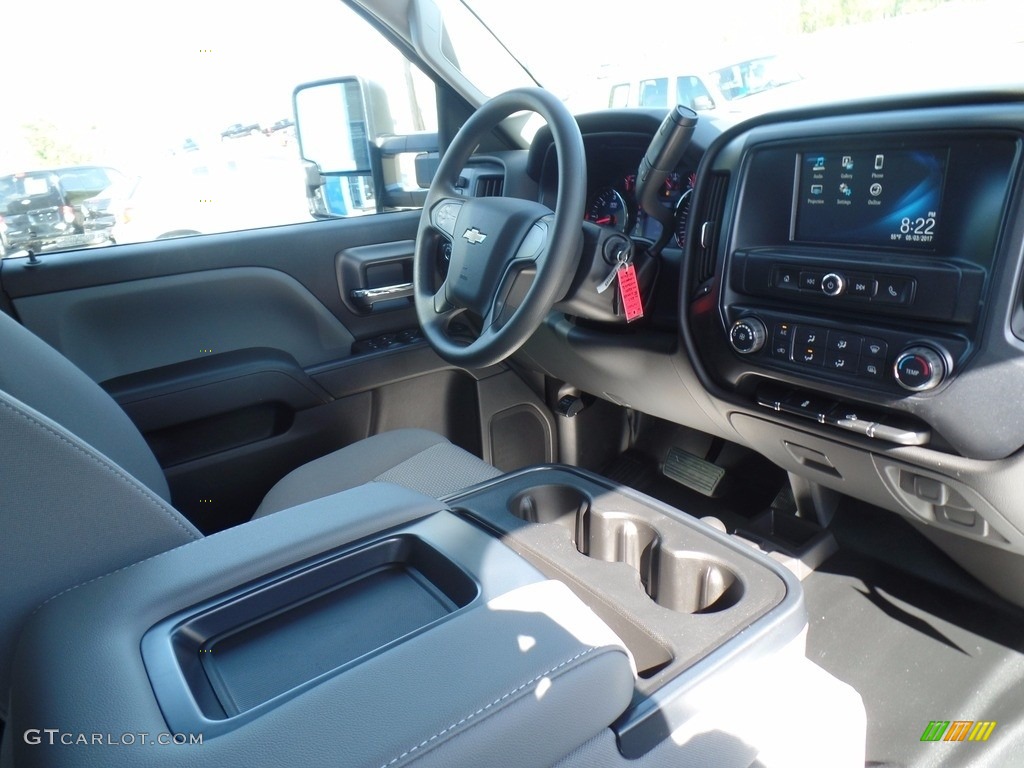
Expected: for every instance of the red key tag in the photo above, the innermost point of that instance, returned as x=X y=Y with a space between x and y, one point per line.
x=629 y=292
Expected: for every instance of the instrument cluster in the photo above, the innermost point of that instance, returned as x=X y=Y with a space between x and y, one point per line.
x=615 y=207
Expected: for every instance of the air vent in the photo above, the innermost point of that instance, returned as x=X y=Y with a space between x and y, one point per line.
x=490 y=186
x=707 y=223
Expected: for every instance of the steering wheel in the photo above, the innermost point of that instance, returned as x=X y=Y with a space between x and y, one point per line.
x=511 y=259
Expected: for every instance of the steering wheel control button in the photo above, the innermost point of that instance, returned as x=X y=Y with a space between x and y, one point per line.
x=445 y=216
x=919 y=369
x=747 y=335
x=534 y=242
x=833 y=284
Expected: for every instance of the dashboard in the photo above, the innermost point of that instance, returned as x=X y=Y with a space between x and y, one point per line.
x=848 y=295
x=855 y=270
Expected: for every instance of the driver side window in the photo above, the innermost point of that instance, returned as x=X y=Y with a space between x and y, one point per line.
x=196 y=131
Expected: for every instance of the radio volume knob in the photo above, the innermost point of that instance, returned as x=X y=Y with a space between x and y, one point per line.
x=747 y=335
x=919 y=369
x=833 y=284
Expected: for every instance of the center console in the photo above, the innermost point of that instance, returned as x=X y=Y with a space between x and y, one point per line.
x=547 y=615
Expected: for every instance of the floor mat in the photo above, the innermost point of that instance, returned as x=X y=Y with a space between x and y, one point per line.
x=891 y=615
x=743 y=494
x=920 y=640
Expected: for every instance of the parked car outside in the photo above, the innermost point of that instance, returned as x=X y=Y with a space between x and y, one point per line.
x=280 y=125
x=723 y=88
x=238 y=130
x=39 y=213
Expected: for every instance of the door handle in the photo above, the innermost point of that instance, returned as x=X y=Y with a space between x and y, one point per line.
x=367 y=297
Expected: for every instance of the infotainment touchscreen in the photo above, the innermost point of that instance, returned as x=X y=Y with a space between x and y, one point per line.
x=883 y=197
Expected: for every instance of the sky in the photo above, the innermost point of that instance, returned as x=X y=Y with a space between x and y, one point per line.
x=128 y=68
x=137 y=71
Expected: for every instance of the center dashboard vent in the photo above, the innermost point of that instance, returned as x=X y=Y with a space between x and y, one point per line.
x=708 y=223
x=490 y=186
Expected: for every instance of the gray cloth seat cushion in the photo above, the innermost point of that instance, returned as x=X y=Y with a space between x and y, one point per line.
x=415 y=458
x=43 y=379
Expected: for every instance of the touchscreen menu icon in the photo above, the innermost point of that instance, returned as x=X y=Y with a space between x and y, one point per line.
x=847 y=163
x=879 y=162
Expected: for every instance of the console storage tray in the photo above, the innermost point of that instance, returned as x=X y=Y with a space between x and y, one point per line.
x=286 y=634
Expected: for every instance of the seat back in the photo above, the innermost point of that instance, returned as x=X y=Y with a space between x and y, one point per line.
x=42 y=378
x=80 y=492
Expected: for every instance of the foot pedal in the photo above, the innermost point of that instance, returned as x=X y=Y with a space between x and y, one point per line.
x=692 y=471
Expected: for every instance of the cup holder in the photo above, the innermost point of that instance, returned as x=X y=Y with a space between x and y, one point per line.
x=560 y=504
x=690 y=582
x=680 y=580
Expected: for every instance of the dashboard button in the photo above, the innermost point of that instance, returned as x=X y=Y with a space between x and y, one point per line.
x=843 y=342
x=811 y=281
x=833 y=284
x=782 y=337
x=894 y=290
x=861 y=286
x=787 y=278
x=809 y=356
x=874 y=348
x=871 y=368
x=810 y=336
x=808 y=406
x=842 y=362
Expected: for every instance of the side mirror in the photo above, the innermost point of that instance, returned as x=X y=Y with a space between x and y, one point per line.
x=337 y=123
x=334 y=126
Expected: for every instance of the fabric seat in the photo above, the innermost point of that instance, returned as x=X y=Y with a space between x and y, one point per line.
x=81 y=493
x=415 y=458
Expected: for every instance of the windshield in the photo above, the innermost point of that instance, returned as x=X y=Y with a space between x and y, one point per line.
x=602 y=53
x=191 y=132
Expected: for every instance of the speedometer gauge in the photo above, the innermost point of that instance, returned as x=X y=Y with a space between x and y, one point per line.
x=608 y=209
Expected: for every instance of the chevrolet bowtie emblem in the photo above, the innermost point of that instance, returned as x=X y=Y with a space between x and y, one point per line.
x=474 y=235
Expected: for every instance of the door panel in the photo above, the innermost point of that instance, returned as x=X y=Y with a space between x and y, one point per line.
x=234 y=352
x=123 y=328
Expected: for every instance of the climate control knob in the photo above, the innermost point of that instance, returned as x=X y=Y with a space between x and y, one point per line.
x=919 y=369
x=747 y=335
